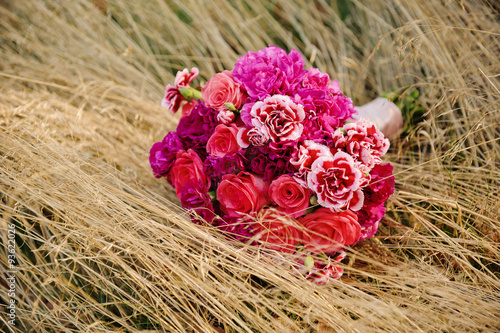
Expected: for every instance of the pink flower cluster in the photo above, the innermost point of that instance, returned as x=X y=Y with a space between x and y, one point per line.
x=269 y=152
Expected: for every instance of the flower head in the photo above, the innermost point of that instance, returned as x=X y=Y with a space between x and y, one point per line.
x=269 y=71
x=162 y=155
x=336 y=182
x=196 y=129
x=291 y=197
x=363 y=141
x=276 y=230
x=222 y=89
x=325 y=231
x=194 y=195
x=187 y=167
x=242 y=194
x=223 y=141
x=173 y=98
x=278 y=118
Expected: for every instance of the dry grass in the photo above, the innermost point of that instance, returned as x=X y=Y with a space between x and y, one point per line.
x=102 y=245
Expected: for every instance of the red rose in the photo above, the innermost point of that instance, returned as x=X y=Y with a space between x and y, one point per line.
x=276 y=230
x=187 y=167
x=223 y=141
x=242 y=194
x=326 y=231
x=222 y=89
x=291 y=197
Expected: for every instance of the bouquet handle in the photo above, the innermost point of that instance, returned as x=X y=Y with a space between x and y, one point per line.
x=384 y=114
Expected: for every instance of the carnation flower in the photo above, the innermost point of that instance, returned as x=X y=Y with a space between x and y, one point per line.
x=281 y=149
x=363 y=141
x=336 y=182
x=307 y=153
x=381 y=186
x=369 y=217
x=173 y=99
x=326 y=272
x=314 y=79
x=277 y=167
x=237 y=227
x=229 y=164
x=278 y=118
x=225 y=117
x=245 y=116
x=326 y=111
x=247 y=137
x=195 y=129
x=269 y=71
x=259 y=163
x=194 y=195
x=303 y=158
x=379 y=189
x=264 y=163
x=162 y=154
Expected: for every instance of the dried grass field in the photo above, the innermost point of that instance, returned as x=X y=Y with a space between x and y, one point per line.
x=102 y=246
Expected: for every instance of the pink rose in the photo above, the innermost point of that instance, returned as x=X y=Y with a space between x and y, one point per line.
x=187 y=167
x=276 y=230
x=278 y=118
x=336 y=181
x=242 y=194
x=222 y=89
x=173 y=99
x=223 y=141
x=291 y=197
x=326 y=231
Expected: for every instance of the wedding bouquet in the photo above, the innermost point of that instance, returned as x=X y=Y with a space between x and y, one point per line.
x=271 y=153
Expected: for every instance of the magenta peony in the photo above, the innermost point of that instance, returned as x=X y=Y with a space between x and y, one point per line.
x=162 y=155
x=269 y=72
